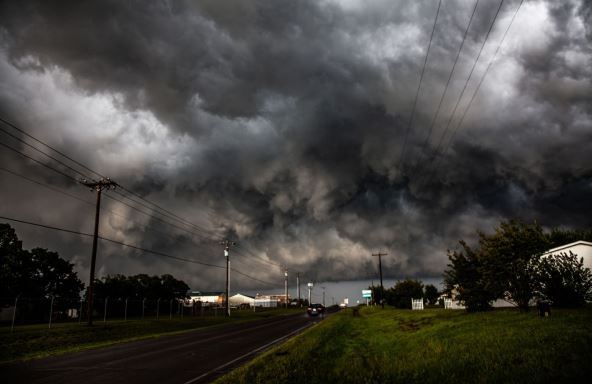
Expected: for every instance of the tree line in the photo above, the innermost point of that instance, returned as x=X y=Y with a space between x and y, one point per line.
x=400 y=295
x=508 y=265
x=40 y=273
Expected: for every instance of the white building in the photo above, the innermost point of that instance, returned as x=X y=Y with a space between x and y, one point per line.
x=240 y=299
x=583 y=249
x=206 y=298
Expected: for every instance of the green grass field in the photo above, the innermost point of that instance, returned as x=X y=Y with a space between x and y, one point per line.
x=431 y=346
x=36 y=341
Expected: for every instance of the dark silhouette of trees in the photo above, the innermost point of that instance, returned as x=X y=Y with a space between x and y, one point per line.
x=36 y=273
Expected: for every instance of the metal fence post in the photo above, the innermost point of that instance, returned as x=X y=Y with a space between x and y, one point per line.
x=50 y=311
x=157 y=308
x=171 y=309
x=80 y=312
x=143 y=306
x=14 y=314
x=125 y=311
x=105 y=312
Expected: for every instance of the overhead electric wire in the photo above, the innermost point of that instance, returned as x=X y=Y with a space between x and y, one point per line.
x=433 y=122
x=167 y=214
x=48 y=146
x=158 y=209
x=46 y=186
x=39 y=162
x=42 y=152
x=106 y=195
x=476 y=90
x=256 y=259
x=410 y=124
x=469 y=76
x=90 y=203
x=482 y=78
x=162 y=254
x=253 y=278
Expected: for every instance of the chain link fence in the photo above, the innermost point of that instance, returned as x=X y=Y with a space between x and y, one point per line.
x=21 y=310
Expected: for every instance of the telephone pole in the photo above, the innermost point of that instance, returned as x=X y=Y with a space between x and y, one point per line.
x=379 y=255
x=227 y=244
x=286 y=285
x=298 y=287
x=97 y=186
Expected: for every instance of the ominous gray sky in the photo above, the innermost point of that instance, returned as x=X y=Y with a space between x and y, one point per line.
x=281 y=125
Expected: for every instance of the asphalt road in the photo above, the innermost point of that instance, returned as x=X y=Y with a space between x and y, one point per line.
x=194 y=357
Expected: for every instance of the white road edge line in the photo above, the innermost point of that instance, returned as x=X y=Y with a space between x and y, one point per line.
x=246 y=354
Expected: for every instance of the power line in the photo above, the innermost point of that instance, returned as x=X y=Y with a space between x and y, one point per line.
x=48 y=146
x=50 y=187
x=432 y=124
x=39 y=162
x=110 y=197
x=162 y=254
x=483 y=77
x=409 y=125
x=106 y=195
x=158 y=209
x=469 y=76
x=42 y=152
x=449 y=143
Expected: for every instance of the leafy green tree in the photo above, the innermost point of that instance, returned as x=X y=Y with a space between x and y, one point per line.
x=466 y=278
x=431 y=294
x=510 y=257
x=401 y=294
x=36 y=273
x=564 y=280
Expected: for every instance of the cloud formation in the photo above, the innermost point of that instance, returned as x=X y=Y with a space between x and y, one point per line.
x=281 y=124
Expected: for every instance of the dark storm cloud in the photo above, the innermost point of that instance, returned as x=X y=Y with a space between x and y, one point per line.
x=281 y=123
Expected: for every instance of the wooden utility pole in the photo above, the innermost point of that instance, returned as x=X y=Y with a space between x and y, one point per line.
x=286 y=285
x=227 y=244
x=298 y=287
x=98 y=187
x=379 y=255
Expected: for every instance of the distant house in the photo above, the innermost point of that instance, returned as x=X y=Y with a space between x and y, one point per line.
x=206 y=298
x=240 y=299
x=583 y=249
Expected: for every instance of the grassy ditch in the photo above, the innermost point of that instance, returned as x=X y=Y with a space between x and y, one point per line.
x=431 y=346
x=37 y=341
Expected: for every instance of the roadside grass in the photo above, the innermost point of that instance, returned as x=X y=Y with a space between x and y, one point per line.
x=37 y=341
x=431 y=346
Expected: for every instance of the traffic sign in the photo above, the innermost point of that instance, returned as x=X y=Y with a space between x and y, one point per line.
x=366 y=294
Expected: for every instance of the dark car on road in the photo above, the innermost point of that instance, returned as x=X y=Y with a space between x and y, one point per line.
x=315 y=309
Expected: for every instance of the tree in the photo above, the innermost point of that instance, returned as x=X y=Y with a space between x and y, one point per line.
x=564 y=280
x=401 y=294
x=36 y=273
x=431 y=294
x=510 y=257
x=465 y=276
x=141 y=286
x=11 y=250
